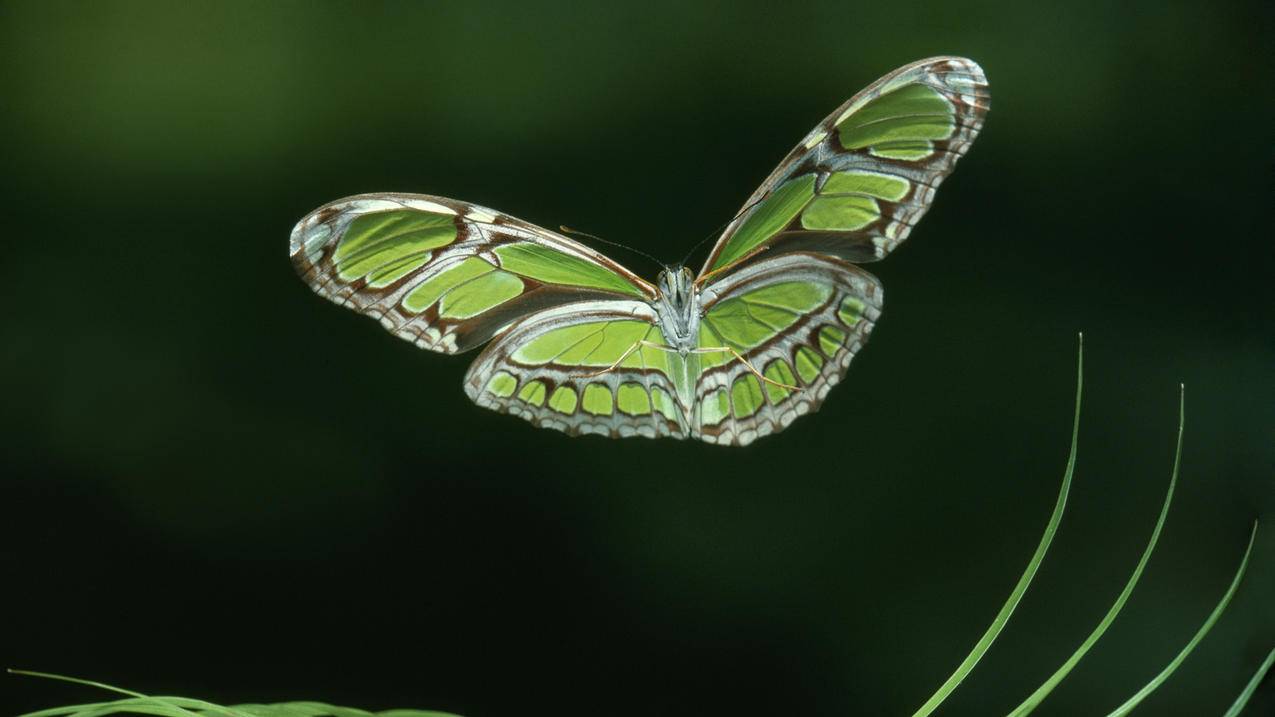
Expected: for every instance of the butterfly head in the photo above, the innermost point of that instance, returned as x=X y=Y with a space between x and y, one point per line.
x=676 y=283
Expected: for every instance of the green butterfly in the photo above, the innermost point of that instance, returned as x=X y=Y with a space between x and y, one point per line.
x=583 y=345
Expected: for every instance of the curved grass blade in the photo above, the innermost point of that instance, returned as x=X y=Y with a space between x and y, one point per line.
x=174 y=707
x=76 y=680
x=1159 y=679
x=321 y=709
x=998 y=623
x=163 y=706
x=1034 y=699
x=139 y=702
x=1240 y=702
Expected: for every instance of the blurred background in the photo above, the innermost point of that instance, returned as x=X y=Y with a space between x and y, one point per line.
x=219 y=485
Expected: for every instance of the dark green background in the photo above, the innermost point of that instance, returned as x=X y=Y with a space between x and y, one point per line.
x=220 y=485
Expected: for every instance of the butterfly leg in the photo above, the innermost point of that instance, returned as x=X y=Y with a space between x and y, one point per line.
x=636 y=345
x=739 y=357
x=616 y=365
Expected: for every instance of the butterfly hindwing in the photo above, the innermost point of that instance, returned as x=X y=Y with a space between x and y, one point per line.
x=605 y=367
x=444 y=274
x=583 y=368
x=797 y=319
x=856 y=185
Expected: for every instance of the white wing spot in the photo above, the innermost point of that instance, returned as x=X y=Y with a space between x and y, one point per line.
x=315 y=238
x=363 y=206
x=815 y=138
x=426 y=206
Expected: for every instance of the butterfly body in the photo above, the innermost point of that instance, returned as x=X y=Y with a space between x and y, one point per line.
x=678 y=306
x=577 y=343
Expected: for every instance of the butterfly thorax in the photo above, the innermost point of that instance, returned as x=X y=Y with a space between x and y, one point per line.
x=677 y=305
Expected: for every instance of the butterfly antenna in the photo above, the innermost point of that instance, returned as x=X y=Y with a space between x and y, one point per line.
x=577 y=232
x=720 y=229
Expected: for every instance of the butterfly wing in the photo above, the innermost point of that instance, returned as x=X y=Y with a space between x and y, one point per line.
x=856 y=185
x=797 y=319
x=444 y=274
x=584 y=368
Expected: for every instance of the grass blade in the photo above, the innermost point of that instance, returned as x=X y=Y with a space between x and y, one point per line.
x=1159 y=679
x=1238 y=705
x=998 y=623
x=138 y=703
x=169 y=707
x=76 y=680
x=138 y=706
x=144 y=704
x=1034 y=699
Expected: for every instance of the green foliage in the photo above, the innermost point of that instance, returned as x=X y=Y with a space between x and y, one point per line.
x=998 y=623
x=138 y=703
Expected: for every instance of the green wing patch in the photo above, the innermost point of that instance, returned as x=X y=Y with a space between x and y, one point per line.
x=589 y=344
x=551 y=266
x=384 y=246
x=769 y=217
x=750 y=319
x=905 y=119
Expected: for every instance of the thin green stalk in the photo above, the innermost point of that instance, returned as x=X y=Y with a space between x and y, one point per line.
x=1159 y=679
x=138 y=703
x=1034 y=699
x=167 y=706
x=1238 y=705
x=141 y=704
x=76 y=680
x=998 y=623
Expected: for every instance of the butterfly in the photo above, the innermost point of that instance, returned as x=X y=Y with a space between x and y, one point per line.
x=581 y=344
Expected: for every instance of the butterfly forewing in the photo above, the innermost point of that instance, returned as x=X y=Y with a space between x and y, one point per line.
x=859 y=182
x=444 y=274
